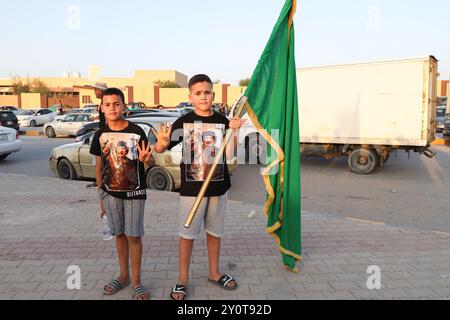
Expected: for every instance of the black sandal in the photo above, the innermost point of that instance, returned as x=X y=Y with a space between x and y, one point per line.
x=178 y=288
x=224 y=281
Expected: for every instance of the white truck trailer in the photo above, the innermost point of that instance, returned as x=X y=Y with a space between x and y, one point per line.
x=365 y=111
x=362 y=111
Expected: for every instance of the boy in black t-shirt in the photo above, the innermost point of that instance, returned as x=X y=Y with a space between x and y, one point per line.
x=202 y=133
x=122 y=149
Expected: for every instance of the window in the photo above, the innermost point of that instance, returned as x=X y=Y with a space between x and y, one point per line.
x=87 y=99
x=70 y=118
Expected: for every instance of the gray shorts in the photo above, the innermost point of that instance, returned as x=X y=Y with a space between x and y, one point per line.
x=124 y=216
x=210 y=215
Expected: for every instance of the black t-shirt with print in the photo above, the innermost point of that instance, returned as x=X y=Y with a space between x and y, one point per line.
x=123 y=175
x=202 y=138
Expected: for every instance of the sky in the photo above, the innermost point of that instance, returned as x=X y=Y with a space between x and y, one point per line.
x=44 y=38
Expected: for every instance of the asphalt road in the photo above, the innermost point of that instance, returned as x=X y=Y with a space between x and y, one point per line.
x=412 y=192
x=32 y=159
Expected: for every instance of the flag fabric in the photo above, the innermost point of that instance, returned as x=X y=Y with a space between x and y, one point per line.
x=272 y=105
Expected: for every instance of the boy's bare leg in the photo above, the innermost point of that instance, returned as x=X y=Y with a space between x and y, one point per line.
x=136 y=257
x=214 y=257
x=122 y=253
x=185 y=254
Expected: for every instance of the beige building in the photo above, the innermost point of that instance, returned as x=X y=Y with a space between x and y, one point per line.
x=141 y=88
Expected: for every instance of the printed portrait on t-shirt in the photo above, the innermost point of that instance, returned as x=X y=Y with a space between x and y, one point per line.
x=202 y=142
x=121 y=165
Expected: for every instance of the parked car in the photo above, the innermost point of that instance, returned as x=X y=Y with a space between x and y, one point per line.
x=130 y=113
x=68 y=126
x=158 y=116
x=73 y=161
x=440 y=118
x=179 y=111
x=71 y=111
x=39 y=118
x=136 y=106
x=9 y=119
x=447 y=126
x=10 y=108
x=183 y=105
x=9 y=142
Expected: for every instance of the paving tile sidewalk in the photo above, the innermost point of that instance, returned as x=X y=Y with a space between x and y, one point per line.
x=47 y=225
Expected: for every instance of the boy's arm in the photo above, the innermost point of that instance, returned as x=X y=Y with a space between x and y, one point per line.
x=232 y=147
x=235 y=124
x=98 y=176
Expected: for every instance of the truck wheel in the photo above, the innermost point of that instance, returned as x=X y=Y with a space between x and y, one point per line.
x=159 y=179
x=66 y=170
x=363 y=161
x=50 y=132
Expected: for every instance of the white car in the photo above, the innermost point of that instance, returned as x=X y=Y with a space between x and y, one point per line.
x=68 y=126
x=39 y=118
x=9 y=142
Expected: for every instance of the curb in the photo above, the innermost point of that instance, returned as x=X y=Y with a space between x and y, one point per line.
x=32 y=133
x=441 y=142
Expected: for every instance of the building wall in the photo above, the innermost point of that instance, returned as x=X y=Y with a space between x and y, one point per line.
x=31 y=100
x=234 y=93
x=9 y=100
x=171 y=97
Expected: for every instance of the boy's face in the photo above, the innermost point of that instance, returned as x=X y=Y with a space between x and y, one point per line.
x=112 y=107
x=202 y=96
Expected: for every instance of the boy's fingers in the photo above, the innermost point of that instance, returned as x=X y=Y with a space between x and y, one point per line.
x=151 y=151
x=155 y=132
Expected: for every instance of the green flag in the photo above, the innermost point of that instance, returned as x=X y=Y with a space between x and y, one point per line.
x=272 y=105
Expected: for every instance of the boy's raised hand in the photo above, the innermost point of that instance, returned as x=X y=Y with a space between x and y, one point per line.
x=144 y=152
x=163 y=136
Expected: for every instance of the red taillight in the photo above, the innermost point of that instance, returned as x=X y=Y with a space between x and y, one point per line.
x=17 y=135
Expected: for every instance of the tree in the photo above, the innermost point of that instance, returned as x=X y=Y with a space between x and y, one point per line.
x=20 y=86
x=166 y=84
x=244 y=82
x=35 y=85
x=39 y=86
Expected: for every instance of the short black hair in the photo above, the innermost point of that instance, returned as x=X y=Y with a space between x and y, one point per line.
x=114 y=92
x=199 y=78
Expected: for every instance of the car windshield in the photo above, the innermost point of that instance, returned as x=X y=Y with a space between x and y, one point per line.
x=440 y=113
x=7 y=116
x=24 y=113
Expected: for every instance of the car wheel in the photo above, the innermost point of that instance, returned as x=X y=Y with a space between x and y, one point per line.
x=66 y=170
x=50 y=132
x=363 y=161
x=3 y=157
x=33 y=123
x=160 y=179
